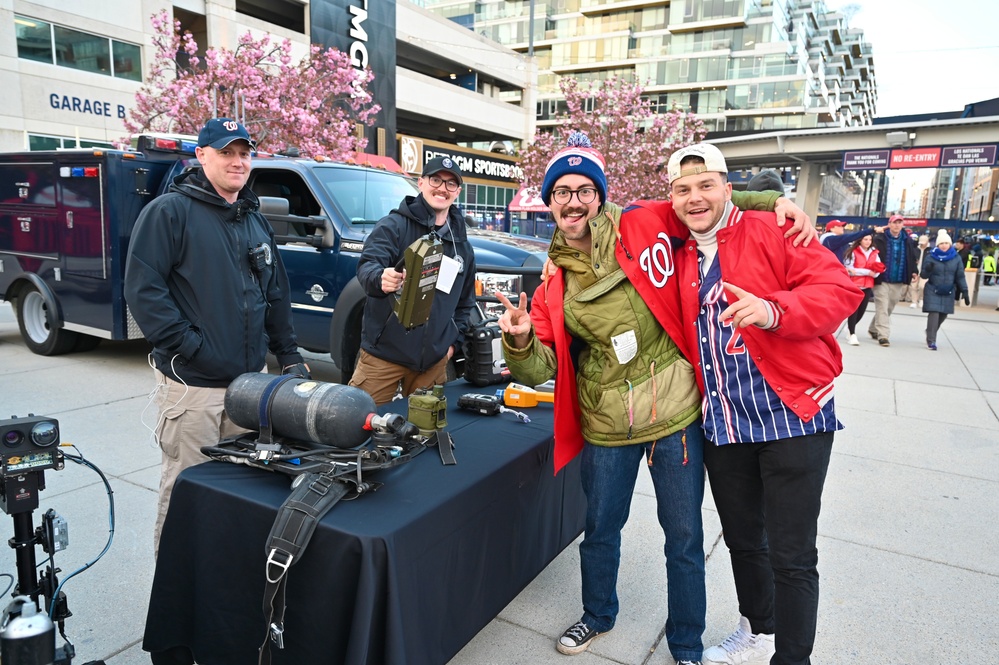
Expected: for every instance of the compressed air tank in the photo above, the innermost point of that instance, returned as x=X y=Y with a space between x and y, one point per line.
x=28 y=639
x=328 y=413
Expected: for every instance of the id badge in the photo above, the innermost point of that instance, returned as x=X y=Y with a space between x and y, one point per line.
x=449 y=272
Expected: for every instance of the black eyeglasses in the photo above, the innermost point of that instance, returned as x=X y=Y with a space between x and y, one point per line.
x=437 y=181
x=585 y=195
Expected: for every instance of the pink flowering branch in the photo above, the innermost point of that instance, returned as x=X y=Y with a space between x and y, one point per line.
x=635 y=141
x=312 y=104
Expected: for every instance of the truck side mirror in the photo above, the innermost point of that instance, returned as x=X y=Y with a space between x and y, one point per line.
x=324 y=237
x=274 y=205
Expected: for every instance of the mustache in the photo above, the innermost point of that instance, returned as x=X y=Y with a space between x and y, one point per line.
x=574 y=211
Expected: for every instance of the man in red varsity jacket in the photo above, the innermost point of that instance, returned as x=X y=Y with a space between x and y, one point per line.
x=756 y=317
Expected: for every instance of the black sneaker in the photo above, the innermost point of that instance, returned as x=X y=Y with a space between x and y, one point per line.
x=873 y=334
x=576 y=639
x=883 y=341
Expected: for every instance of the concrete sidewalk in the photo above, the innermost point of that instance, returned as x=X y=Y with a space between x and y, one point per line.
x=907 y=537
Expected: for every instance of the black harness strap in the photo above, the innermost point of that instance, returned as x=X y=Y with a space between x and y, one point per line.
x=296 y=521
x=445 y=446
x=312 y=496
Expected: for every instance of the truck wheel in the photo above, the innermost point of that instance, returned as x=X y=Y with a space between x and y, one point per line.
x=349 y=342
x=38 y=328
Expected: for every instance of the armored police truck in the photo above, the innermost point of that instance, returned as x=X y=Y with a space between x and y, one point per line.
x=66 y=217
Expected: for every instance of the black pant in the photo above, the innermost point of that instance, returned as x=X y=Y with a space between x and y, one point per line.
x=768 y=497
x=854 y=319
x=933 y=322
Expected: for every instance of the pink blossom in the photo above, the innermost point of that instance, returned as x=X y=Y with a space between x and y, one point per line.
x=312 y=104
x=635 y=142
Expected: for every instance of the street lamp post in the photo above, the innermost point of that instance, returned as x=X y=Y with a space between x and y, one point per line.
x=530 y=31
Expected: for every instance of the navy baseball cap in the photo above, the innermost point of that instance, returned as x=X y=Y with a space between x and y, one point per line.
x=220 y=132
x=438 y=164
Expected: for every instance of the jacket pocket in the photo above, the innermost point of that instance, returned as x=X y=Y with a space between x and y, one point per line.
x=944 y=290
x=655 y=404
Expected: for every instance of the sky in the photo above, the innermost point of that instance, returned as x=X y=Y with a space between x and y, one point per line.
x=929 y=55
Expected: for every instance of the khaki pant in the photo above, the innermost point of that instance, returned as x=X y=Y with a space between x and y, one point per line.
x=915 y=292
x=886 y=296
x=189 y=417
x=380 y=378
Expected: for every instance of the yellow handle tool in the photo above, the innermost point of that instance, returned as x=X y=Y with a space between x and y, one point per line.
x=518 y=395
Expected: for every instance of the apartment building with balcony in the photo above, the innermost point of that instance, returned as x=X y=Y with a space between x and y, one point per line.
x=740 y=65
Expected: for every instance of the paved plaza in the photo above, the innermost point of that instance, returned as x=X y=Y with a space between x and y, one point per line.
x=907 y=536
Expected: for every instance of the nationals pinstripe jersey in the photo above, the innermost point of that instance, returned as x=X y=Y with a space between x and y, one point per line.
x=738 y=406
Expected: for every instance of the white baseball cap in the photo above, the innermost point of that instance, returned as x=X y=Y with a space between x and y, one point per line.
x=713 y=161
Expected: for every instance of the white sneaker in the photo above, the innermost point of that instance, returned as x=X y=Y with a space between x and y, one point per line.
x=741 y=648
x=913 y=306
x=853 y=341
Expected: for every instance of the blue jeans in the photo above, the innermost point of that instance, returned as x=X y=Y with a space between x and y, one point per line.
x=676 y=463
x=768 y=497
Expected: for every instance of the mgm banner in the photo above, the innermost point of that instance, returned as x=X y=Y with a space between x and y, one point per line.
x=365 y=30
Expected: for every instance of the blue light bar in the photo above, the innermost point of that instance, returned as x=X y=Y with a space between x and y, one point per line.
x=76 y=172
x=188 y=146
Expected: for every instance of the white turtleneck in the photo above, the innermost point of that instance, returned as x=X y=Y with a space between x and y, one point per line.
x=707 y=242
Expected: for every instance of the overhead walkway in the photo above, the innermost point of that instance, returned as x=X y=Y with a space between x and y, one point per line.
x=926 y=142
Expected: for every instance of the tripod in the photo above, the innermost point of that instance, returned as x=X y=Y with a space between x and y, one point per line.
x=30 y=640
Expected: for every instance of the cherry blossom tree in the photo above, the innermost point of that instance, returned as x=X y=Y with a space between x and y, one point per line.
x=312 y=105
x=635 y=141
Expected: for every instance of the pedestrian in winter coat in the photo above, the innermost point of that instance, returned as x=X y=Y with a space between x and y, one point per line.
x=863 y=264
x=944 y=272
x=899 y=253
x=918 y=283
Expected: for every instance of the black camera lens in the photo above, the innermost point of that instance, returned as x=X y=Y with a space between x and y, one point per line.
x=13 y=438
x=44 y=434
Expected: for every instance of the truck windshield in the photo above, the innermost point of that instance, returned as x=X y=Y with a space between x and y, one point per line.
x=364 y=195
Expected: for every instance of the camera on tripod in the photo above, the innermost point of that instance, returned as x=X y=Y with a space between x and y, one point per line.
x=29 y=445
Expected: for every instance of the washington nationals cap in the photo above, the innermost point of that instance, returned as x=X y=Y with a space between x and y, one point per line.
x=438 y=164
x=220 y=132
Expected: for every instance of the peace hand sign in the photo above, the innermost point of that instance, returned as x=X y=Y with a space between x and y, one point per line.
x=515 y=321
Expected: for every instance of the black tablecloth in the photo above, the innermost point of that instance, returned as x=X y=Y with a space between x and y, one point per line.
x=406 y=575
